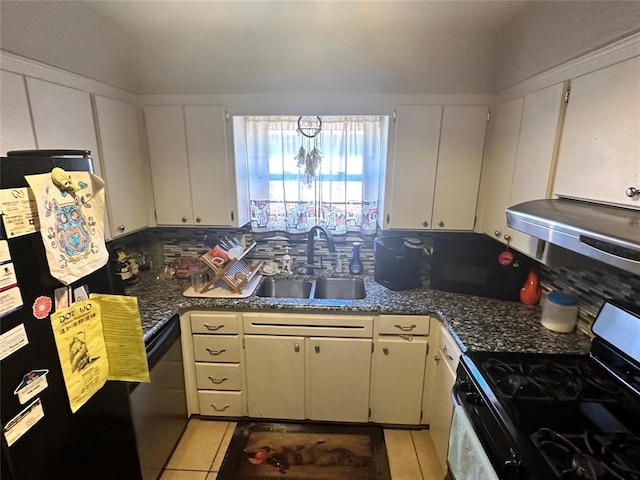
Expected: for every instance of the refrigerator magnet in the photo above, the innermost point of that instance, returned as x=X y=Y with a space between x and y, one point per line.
x=31 y=385
x=42 y=307
x=22 y=423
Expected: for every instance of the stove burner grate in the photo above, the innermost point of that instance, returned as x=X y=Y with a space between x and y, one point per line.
x=590 y=456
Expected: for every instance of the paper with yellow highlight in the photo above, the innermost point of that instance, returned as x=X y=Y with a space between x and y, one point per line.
x=99 y=339
x=122 y=329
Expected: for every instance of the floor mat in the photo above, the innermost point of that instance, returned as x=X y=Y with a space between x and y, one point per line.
x=299 y=451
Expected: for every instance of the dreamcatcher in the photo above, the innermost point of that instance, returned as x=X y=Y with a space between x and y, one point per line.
x=310 y=159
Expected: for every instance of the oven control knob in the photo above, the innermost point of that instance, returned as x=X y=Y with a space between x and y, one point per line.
x=474 y=398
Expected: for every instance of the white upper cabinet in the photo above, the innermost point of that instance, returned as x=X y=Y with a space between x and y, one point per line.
x=434 y=171
x=123 y=167
x=497 y=171
x=533 y=172
x=521 y=146
x=63 y=119
x=194 y=178
x=459 y=166
x=169 y=165
x=600 y=150
x=16 y=132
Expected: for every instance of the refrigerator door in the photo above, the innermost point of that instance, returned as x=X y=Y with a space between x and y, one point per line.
x=98 y=441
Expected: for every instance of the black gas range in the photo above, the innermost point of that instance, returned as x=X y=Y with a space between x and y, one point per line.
x=556 y=416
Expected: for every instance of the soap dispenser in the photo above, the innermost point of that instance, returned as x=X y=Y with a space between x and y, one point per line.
x=355 y=265
x=287 y=262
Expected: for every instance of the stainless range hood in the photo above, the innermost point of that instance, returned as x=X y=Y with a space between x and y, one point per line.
x=605 y=233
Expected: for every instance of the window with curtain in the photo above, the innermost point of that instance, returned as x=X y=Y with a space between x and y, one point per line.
x=290 y=191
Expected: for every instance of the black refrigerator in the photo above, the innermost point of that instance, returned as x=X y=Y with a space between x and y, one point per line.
x=98 y=441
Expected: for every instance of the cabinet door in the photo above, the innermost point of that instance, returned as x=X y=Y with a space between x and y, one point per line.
x=123 y=168
x=539 y=136
x=338 y=379
x=169 y=165
x=599 y=157
x=16 y=132
x=440 y=426
x=63 y=119
x=459 y=167
x=275 y=368
x=210 y=181
x=414 y=167
x=499 y=161
x=396 y=380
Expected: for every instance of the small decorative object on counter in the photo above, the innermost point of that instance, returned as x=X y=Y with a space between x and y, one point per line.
x=355 y=265
x=560 y=312
x=530 y=291
x=287 y=262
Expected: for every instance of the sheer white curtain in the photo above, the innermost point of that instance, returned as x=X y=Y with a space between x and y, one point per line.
x=343 y=194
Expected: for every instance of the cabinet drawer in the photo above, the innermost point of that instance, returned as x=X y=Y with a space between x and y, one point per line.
x=218 y=376
x=402 y=325
x=216 y=348
x=227 y=404
x=449 y=348
x=205 y=322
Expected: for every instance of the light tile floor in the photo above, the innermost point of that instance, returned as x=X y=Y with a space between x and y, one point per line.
x=204 y=443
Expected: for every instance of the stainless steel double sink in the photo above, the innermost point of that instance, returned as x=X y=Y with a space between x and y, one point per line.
x=320 y=288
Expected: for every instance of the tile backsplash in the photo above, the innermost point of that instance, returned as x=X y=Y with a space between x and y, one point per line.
x=591 y=284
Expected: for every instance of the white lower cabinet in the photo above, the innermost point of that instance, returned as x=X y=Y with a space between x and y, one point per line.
x=275 y=376
x=444 y=362
x=397 y=380
x=338 y=379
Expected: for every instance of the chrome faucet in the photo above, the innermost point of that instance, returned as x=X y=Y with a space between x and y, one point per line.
x=310 y=243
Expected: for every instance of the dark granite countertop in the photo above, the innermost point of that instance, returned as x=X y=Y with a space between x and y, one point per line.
x=476 y=323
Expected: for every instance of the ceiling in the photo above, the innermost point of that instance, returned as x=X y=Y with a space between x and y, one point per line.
x=275 y=46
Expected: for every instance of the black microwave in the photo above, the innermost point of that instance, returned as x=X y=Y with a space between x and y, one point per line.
x=468 y=263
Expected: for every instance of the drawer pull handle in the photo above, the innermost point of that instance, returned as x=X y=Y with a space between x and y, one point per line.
x=216 y=352
x=405 y=329
x=218 y=381
x=446 y=354
x=213 y=328
x=220 y=409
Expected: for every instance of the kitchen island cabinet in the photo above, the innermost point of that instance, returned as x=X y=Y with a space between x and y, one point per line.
x=599 y=156
x=195 y=178
x=433 y=173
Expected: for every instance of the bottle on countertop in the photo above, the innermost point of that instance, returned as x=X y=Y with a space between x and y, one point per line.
x=286 y=262
x=355 y=265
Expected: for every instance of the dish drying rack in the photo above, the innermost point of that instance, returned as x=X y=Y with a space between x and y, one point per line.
x=236 y=273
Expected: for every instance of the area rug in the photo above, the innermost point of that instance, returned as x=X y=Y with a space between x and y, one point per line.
x=300 y=451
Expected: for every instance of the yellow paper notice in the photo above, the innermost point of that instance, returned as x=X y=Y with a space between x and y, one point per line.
x=83 y=356
x=123 y=337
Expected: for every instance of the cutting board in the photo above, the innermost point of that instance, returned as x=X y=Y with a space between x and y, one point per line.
x=222 y=291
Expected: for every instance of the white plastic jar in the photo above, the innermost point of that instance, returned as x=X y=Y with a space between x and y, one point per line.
x=560 y=312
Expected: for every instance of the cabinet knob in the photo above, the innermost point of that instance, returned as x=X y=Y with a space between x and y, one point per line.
x=425 y=224
x=121 y=228
x=632 y=192
x=184 y=219
x=441 y=224
x=437 y=358
x=317 y=348
x=507 y=238
x=497 y=234
x=198 y=219
x=296 y=348
x=385 y=350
